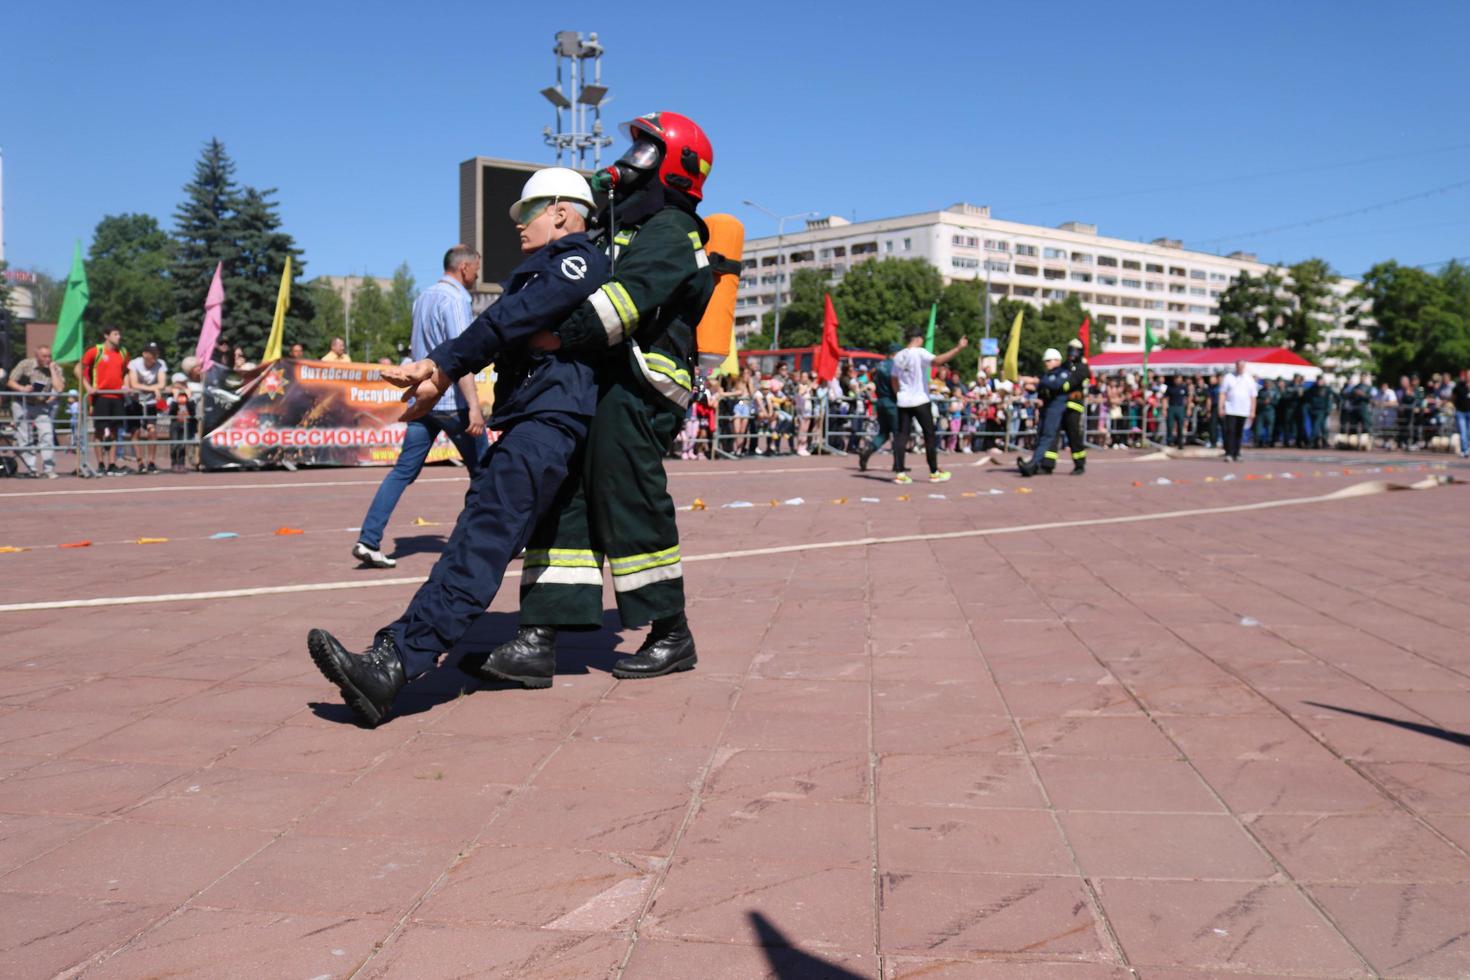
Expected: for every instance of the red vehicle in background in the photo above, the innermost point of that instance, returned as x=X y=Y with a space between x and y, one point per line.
x=800 y=359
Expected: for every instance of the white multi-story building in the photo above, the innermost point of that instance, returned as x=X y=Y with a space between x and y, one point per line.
x=1125 y=285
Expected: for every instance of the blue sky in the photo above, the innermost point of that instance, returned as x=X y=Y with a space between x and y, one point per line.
x=1195 y=121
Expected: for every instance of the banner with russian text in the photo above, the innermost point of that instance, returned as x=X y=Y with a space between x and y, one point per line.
x=315 y=413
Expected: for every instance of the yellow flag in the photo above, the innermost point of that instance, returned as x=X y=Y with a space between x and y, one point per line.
x=278 y=322
x=731 y=364
x=1011 y=370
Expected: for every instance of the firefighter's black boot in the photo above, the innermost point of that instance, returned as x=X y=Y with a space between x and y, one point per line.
x=669 y=648
x=528 y=659
x=1026 y=467
x=370 y=681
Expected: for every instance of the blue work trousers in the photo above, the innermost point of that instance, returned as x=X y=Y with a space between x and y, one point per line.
x=513 y=490
x=1045 y=455
x=417 y=442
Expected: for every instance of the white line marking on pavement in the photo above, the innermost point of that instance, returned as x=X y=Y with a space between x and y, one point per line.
x=1356 y=490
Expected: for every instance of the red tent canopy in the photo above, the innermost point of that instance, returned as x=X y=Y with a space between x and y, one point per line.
x=1261 y=361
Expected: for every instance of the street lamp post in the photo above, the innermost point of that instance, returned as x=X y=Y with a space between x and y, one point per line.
x=780 y=258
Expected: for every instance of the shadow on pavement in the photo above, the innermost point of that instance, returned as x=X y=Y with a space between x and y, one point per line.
x=786 y=961
x=577 y=653
x=1433 y=731
x=419 y=544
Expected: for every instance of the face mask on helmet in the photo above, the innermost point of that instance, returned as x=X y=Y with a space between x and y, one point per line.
x=638 y=164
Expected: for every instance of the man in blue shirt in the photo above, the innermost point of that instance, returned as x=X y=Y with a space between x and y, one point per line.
x=544 y=404
x=440 y=314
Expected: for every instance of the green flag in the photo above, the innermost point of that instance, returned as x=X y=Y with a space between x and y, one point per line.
x=67 y=347
x=929 y=337
x=1149 y=343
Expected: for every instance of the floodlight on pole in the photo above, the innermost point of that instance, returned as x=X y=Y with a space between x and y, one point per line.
x=780 y=258
x=580 y=132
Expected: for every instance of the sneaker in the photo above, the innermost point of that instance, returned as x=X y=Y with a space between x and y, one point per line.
x=372 y=557
x=152 y=468
x=49 y=474
x=865 y=454
x=939 y=476
x=903 y=478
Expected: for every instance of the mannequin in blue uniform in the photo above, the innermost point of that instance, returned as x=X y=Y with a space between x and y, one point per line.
x=544 y=402
x=1052 y=386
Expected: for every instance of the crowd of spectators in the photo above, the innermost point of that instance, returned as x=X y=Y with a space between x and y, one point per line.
x=791 y=413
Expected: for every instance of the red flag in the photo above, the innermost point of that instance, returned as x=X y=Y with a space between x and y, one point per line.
x=825 y=363
x=1085 y=335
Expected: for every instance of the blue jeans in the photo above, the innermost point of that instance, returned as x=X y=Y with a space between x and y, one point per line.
x=1462 y=422
x=416 y=444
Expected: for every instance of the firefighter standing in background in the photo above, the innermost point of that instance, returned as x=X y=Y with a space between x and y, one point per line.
x=1265 y=427
x=642 y=321
x=1078 y=373
x=1052 y=387
x=1318 y=404
x=885 y=408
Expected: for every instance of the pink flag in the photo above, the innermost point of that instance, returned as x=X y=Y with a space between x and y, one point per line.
x=213 y=317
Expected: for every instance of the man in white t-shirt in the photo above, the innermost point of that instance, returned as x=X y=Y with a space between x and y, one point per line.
x=147 y=375
x=911 y=368
x=1237 y=407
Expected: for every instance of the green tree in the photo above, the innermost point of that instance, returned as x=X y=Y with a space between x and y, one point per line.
x=1311 y=307
x=372 y=321
x=1417 y=322
x=878 y=301
x=48 y=292
x=7 y=318
x=329 y=319
x=400 y=308
x=254 y=278
x=204 y=235
x=801 y=316
x=1178 y=340
x=127 y=273
x=1252 y=309
x=220 y=222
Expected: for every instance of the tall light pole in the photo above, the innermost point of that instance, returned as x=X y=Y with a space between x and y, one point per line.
x=780 y=258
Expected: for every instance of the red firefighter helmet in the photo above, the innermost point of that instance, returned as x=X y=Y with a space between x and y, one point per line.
x=688 y=155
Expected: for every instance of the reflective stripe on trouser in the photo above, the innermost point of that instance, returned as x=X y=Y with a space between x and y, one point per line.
x=523 y=473
x=620 y=507
x=1051 y=424
x=1071 y=427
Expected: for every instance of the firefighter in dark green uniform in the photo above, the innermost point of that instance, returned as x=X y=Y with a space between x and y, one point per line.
x=885 y=406
x=1265 y=426
x=1318 y=404
x=1078 y=374
x=642 y=322
x=1288 y=412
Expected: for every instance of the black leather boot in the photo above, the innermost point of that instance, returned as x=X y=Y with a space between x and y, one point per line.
x=527 y=659
x=669 y=648
x=1026 y=467
x=370 y=681
x=1079 y=469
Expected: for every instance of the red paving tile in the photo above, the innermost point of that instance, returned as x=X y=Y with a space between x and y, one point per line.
x=212 y=943
x=938 y=914
x=990 y=718
x=1224 y=926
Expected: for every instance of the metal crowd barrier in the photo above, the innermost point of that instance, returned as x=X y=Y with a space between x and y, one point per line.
x=124 y=432
x=36 y=434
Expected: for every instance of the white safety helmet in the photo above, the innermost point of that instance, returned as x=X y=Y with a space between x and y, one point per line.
x=549 y=186
x=1051 y=354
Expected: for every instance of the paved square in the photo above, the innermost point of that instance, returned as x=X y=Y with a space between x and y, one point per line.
x=1176 y=719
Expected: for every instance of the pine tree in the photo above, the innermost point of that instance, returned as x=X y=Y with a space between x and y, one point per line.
x=205 y=235
x=222 y=222
x=255 y=276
